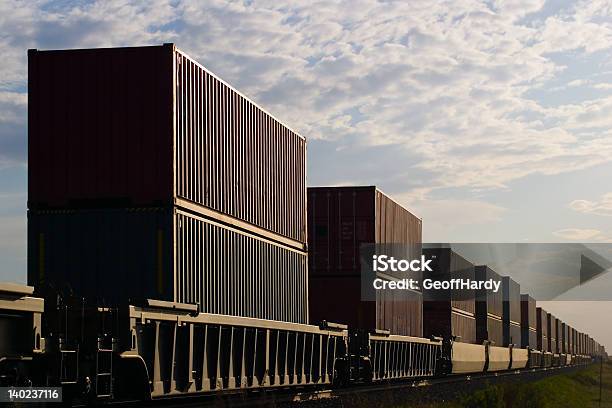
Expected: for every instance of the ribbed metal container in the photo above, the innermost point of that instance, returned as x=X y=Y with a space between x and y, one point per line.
x=167 y=254
x=552 y=332
x=511 y=311
x=447 y=313
x=341 y=219
x=559 y=331
x=149 y=126
x=492 y=300
x=338 y=299
x=439 y=320
x=542 y=329
x=400 y=311
x=446 y=265
x=229 y=272
x=528 y=322
x=512 y=299
x=489 y=308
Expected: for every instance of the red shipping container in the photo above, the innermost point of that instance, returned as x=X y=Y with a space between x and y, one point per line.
x=149 y=126
x=341 y=219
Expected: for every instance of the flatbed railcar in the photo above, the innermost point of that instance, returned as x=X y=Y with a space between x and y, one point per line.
x=155 y=349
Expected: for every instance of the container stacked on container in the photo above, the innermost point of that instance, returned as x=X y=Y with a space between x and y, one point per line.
x=511 y=318
x=489 y=308
x=341 y=221
x=151 y=177
x=450 y=313
x=528 y=322
x=542 y=329
x=551 y=326
x=559 y=334
x=564 y=342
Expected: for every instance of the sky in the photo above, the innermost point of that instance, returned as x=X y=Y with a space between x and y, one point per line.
x=490 y=120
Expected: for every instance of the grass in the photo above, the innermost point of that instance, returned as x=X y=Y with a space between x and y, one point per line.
x=578 y=389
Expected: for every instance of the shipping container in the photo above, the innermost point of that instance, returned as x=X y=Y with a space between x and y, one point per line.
x=447 y=264
x=511 y=318
x=551 y=326
x=542 y=329
x=528 y=322
x=338 y=299
x=559 y=333
x=564 y=342
x=449 y=313
x=489 y=308
x=167 y=254
x=341 y=220
x=149 y=126
x=439 y=321
x=570 y=339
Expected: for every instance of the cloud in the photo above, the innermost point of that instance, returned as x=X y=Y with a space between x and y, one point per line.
x=447 y=84
x=13 y=119
x=603 y=85
x=580 y=234
x=602 y=207
x=444 y=216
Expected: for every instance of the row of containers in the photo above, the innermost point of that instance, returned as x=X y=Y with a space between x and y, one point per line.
x=343 y=219
x=150 y=177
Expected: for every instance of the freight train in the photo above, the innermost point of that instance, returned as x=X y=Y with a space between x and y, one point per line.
x=157 y=349
x=169 y=252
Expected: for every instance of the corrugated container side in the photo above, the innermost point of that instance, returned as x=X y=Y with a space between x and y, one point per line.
x=117 y=254
x=340 y=220
x=528 y=322
x=234 y=157
x=440 y=320
x=511 y=312
x=512 y=300
x=395 y=224
x=338 y=299
x=100 y=127
x=552 y=333
x=489 y=308
x=512 y=334
x=563 y=338
x=400 y=312
x=489 y=328
x=492 y=300
x=559 y=335
x=447 y=264
x=542 y=329
x=463 y=326
x=112 y=255
x=528 y=311
x=227 y=271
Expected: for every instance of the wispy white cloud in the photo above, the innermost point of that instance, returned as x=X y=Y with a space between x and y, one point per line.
x=446 y=83
x=599 y=207
x=582 y=234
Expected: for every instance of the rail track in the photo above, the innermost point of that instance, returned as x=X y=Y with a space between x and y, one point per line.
x=396 y=390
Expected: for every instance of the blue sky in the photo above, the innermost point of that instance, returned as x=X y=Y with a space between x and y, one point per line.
x=490 y=120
